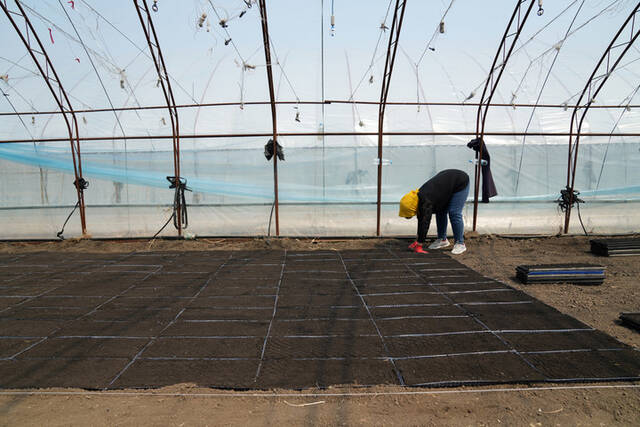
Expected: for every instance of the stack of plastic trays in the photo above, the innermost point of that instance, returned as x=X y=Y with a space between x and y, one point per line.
x=580 y=274
x=615 y=247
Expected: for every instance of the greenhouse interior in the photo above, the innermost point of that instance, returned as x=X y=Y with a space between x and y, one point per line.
x=133 y=119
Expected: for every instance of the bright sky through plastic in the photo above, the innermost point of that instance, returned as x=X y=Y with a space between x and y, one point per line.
x=204 y=69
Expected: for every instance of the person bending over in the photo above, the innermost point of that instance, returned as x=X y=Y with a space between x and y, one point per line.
x=444 y=194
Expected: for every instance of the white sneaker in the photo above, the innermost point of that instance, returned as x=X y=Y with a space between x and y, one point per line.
x=439 y=244
x=458 y=248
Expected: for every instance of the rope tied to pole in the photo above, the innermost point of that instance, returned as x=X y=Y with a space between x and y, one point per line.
x=179 y=201
x=81 y=184
x=568 y=198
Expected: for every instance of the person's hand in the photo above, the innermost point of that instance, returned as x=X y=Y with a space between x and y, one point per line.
x=418 y=249
x=412 y=247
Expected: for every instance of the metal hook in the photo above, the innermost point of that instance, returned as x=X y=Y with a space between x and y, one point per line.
x=155 y=6
x=540 y=9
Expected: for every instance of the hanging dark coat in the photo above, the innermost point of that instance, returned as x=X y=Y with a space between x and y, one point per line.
x=488 y=186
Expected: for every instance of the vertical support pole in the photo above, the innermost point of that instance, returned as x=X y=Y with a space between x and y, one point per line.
x=596 y=81
x=394 y=35
x=510 y=36
x=53 y=82
x=163 y=80
x=267 y=56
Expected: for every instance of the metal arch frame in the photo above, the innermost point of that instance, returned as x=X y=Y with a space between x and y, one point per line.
x=272 y=102
x=599 y=80
x=485 y=103
x=296 y=102
x=163 y=79
x=394 y=35
x=60 y=96
x=308 y=134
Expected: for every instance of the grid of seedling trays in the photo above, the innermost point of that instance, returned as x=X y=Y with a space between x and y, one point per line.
x=615 y=247
x=284 y=319
x=580 y=274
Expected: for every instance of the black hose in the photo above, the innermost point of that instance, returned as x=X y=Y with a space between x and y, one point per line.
x=569 y=198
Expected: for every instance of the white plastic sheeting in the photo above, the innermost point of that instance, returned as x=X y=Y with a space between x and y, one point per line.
x=327 y=184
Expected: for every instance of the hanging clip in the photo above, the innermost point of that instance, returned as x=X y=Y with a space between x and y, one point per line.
x=155 y=6
x=297 y=119
x=202 y=19
x=540 y=9
x=333 y=25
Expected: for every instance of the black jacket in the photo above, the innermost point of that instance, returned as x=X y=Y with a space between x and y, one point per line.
x=488 y=186
x=434 y=196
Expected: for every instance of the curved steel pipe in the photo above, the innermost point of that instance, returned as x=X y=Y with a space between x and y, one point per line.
x=272 y=98
x=492 y=84
x=596 y=81
x=53 y=82
x=394 y=35
x=163 y=80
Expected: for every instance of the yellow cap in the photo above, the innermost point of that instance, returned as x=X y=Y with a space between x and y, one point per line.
x=409 y=204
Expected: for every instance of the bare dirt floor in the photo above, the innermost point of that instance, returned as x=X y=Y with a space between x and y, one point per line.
x=595 y=404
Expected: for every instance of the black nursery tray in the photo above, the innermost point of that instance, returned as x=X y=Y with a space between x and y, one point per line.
x=582 y=274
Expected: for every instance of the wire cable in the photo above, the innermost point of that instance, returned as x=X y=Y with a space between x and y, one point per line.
x=435 y=34
x=534 y=36
x=136 y=46
x=383 y=28
x=60 y=233
x=228 y=34
x=286 y=78
x=106 y=93
x=544 y=84
x=7 y=98
x=606 y=151
x=273 y=205
x=97 y=74
x=17 y=64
